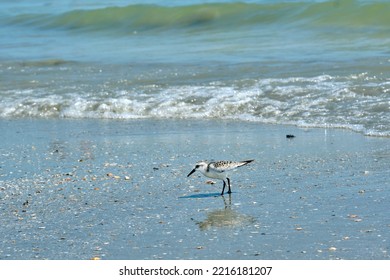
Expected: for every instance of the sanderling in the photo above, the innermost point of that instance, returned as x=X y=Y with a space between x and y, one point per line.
x=218 y=170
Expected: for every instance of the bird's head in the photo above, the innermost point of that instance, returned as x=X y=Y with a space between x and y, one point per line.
x=200 y=165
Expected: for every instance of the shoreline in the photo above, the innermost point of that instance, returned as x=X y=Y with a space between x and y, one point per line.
x=340 y=127
x=116 y=189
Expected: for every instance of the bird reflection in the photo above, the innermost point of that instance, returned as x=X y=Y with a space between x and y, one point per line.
x=226 y=217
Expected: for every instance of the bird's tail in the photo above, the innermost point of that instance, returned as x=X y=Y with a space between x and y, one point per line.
x=245 y=162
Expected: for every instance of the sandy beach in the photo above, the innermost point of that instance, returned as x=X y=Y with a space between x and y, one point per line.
x=85 y=189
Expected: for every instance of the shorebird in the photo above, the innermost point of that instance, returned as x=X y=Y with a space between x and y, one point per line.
x=218 y=170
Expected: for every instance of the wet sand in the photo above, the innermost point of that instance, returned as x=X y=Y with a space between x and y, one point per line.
x=84 y=189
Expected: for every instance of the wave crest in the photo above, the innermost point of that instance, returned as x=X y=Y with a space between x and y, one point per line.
x=149 y=18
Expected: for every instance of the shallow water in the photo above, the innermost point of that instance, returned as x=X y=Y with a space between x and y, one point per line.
x=118 y=190
x=307 y=63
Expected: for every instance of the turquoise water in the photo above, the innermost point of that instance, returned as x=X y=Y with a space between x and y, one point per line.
x=305 y=63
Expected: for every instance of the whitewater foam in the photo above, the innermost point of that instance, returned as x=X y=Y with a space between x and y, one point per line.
x=321 y=101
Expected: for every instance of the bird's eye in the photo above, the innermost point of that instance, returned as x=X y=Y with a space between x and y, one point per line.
x=197 y=166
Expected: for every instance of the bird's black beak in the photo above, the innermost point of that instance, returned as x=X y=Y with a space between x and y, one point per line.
x=192 y=171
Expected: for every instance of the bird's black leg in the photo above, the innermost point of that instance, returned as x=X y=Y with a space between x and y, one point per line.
x=230 y=191
x=223 y=189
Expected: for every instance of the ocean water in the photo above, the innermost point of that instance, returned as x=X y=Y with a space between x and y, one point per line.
x=304 y=63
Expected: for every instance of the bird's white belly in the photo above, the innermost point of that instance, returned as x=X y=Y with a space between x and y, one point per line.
x=214 y=175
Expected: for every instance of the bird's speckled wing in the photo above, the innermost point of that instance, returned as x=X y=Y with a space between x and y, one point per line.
x=222 y=166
